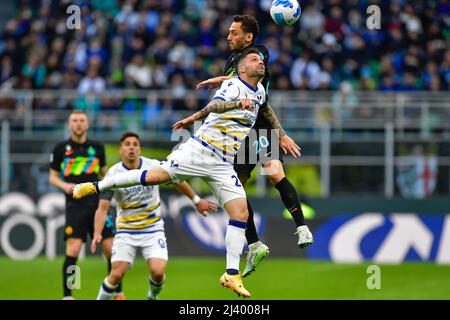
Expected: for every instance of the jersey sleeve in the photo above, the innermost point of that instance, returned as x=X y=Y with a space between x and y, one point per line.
x=228 y=91
x=56 y=157
x=106 y=195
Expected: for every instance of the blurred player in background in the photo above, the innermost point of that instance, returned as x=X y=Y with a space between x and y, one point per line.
x=209 y=154
x=77 y=160
x=242 y=35
x=139 y=222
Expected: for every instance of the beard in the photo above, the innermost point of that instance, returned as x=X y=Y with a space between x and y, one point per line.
x=258 y=73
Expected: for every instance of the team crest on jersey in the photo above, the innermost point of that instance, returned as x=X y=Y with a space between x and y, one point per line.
x=174 y=164
x=91 y=151
x=69 y=150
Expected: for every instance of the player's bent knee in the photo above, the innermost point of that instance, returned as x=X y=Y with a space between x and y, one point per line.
x=242 y=215
x=73 y=247
x=274 y=171
x=277 y=174
x=237 y=209
x=158 y=275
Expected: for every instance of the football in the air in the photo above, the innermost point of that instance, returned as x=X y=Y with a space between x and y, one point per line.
x=285 y=12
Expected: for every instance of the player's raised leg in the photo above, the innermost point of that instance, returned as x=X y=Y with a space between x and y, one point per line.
x=235 y=241
x=291 y=201
x=123 y=180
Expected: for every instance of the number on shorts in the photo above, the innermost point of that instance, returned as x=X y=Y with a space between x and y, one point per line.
x=162 y=243
x=237 y=184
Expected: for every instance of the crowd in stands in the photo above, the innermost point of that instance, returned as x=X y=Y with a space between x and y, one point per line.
x=174 y=44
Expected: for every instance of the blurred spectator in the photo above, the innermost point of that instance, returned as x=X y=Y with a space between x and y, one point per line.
x=334 y=23
x=91 y=83
x=343 y=103
x=6 y=69
x=305 y=73
x=178 y=92
x=35 y=70
x=152 y=111
x=312 y=21
x=138 y=73
x=181 y=55
x=109 y=118
x=388 y=84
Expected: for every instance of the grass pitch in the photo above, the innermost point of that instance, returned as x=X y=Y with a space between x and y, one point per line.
x=198 y=278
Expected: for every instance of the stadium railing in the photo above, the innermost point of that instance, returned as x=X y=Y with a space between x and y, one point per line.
x=321 y=122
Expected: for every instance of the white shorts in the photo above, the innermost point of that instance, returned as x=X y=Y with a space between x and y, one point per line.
x=153 y=245
x=194 y=160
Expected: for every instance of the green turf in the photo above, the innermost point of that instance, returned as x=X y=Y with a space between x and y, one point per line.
x=196 y=278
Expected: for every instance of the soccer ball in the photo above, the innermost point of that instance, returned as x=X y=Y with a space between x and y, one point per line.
x=285 y=12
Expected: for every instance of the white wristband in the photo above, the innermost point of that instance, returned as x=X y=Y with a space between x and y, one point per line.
x=196 y=199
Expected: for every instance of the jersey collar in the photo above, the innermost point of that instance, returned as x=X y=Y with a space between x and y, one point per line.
x=76 y=143
x=248 y=85
x=140 y=165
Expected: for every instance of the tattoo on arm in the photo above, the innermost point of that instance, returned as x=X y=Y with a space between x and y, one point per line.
x=217 y=106
x=271 y=117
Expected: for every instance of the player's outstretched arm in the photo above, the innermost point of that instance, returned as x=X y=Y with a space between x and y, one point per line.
x=99 y=222
x=203 y=206
x=214 y=106
x=212 y=83
x=286 y=142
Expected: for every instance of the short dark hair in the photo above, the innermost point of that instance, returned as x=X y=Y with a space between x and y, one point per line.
x=245 y=53
x=249 y=24
x=129 y=134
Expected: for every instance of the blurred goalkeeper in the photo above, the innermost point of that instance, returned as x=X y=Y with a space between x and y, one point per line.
x=76 y=160
x=242 y=35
